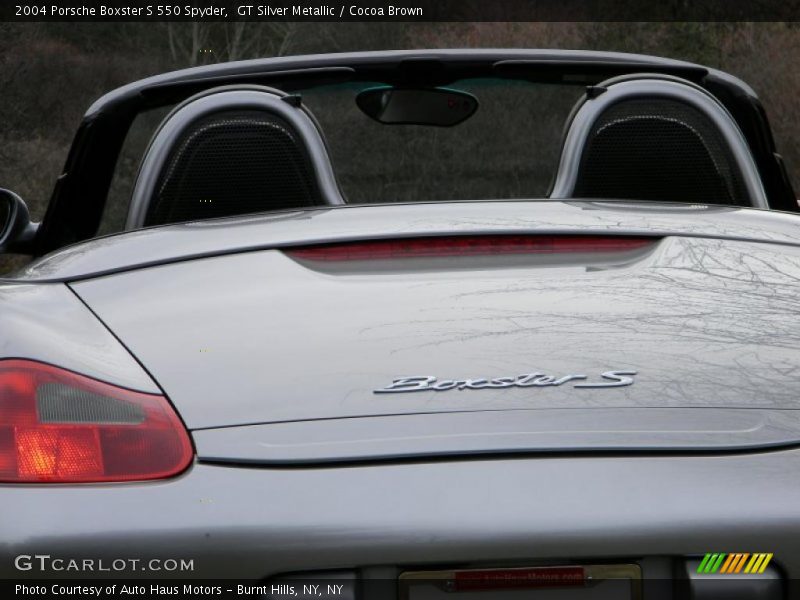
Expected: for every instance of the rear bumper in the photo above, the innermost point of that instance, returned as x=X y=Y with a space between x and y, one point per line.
x=250 y=523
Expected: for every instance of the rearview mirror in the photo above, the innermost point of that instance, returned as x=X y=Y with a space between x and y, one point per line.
x=16 y=230
x=427 y=106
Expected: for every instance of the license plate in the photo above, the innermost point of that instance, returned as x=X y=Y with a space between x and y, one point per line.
x=568 y=582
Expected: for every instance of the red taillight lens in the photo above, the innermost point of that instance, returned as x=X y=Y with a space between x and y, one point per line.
x=60 y=427
x=483 y=245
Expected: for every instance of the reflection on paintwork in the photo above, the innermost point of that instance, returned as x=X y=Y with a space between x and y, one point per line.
x=706 y=323
x=238 y=234
x=49 y=324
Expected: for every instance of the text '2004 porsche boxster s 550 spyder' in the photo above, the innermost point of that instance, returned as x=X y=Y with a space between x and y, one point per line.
x=470 y=324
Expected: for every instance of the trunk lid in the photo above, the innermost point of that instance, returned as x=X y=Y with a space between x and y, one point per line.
x=277 y=354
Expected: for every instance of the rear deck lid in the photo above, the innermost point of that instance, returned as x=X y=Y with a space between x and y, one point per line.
x=480 y=344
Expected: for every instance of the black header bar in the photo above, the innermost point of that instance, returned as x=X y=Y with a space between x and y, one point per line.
x=398 y=10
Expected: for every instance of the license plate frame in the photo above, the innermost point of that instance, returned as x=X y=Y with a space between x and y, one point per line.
x=446 y=581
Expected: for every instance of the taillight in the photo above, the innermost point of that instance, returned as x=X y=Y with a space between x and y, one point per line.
x=60 y=427
x=481 y=245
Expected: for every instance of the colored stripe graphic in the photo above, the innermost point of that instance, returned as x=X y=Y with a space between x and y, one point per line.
x=765 y=562
x=730 y=567
x=712 y=558
x=741 y=562
x=711 y=563
x=753 y=560
x=727 y=564
x=703 y=563
x=737 y=557
x=717 y=563
x=720 y=562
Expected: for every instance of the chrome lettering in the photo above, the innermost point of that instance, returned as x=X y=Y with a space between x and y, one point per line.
x=408 y=384
x=535 y=379
x=619 y=379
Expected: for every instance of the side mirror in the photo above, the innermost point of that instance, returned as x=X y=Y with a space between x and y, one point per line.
x=16 y=230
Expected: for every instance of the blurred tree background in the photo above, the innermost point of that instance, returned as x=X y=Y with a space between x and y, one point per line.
x=51 y=72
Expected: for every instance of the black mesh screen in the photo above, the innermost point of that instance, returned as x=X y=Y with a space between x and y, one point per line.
x=659 y=149
x=57 y=403
x=233 y=163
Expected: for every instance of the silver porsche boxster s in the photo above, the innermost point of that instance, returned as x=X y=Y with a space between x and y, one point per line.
x=448 y=325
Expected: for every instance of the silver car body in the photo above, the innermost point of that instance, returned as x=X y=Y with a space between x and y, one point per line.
x=598 y=407
x=292 y=441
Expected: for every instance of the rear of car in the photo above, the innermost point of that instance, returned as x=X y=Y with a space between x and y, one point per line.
x=523 y=396
x=576 y=394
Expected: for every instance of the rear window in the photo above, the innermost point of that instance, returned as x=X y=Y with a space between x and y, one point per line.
x=509 y=148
